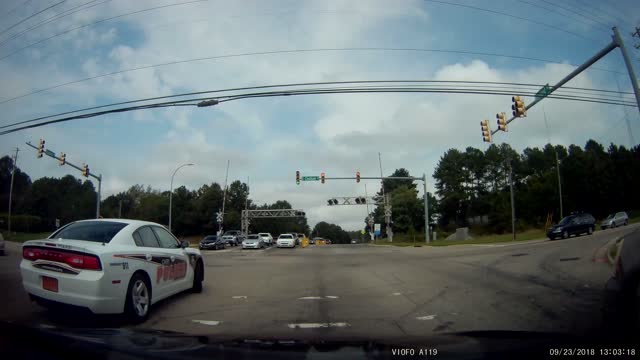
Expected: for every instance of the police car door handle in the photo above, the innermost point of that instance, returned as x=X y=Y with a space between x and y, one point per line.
x=173 y=258
x=148 y=257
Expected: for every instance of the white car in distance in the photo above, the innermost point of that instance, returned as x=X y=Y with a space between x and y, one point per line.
x=267 y=238
x=110 y=266
x=286 y=240
x=253 y=241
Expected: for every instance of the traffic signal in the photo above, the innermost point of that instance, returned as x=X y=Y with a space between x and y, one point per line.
x=486 y=131
x=85 y=170
x=518 y=107
x=361 y=200
x=322 y=178
x=63 y=159
x=357 y=176
x=297 y=177
x=329 y=202
x=332 y=202
x=502 y=121
x=41 y=148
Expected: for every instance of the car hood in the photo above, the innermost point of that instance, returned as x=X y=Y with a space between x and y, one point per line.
x=132 y=343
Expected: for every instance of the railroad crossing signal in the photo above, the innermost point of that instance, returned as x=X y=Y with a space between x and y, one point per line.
x=41 y=148
x=63 y=159
x=361 y=200
x=297 y=177
x=332 y=202
x=357 y=176
x=502 y=121
x=486 y=131
x=85 y=170
x=518 y=107
x=322 y=178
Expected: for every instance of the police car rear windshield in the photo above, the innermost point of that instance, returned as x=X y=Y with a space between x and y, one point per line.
x=98 y=231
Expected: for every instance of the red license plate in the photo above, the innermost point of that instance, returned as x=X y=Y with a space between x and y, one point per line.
x=50 y=284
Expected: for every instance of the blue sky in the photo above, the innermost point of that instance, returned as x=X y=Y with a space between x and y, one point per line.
x=268 y=139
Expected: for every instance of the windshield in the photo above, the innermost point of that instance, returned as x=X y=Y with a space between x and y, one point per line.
x=345 y=129
x=97 y=231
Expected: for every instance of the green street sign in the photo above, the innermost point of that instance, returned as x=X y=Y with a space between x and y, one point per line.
x=362 y=232
x=544 y=91
x=311 y=178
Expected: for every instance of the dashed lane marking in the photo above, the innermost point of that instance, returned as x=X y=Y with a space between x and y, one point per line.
x=208 y=322
x=427 y=317
x=317 y=325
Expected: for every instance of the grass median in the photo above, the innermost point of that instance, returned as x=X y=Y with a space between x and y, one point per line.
x=484 y=239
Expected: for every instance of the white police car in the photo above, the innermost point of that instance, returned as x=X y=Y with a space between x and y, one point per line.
x=110 y=266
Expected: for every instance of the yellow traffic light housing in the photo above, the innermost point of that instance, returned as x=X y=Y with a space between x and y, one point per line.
x=297 y=177
x=322 y=178
x=502 y=121
x=357 y=176
x=518 y=107
x=486 y=131
x=63 y=159
x=85 y=170
x=41 y=148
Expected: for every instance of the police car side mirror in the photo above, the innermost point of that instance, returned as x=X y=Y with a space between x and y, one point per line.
x=184 y=244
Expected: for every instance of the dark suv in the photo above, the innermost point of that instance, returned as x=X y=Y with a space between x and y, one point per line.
x=574 y=224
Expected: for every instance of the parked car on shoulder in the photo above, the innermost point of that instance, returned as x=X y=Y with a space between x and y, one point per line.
x=233 y=237
x=574 y=224
x=286 y=240
x=327 y=241
x=300 y=238
x=253 y=241
x=614 y=220
x=267 y=238
x=212 y=242
x=315 y=239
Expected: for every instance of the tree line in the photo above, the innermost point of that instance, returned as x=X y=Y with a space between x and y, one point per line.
x=474 y=184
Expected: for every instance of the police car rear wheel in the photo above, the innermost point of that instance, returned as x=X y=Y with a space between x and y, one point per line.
x=138 y=299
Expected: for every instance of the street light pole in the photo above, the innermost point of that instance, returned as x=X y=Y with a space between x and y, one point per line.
x=426 y=209
x=171 y=190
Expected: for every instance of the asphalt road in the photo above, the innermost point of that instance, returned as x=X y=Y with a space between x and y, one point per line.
x=339 y=291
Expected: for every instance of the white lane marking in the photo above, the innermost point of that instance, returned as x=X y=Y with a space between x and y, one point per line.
x=208 y=322
x=239 y=297
x=317 y=297
x=396 y=294
x=317 y=325
x=428 y=317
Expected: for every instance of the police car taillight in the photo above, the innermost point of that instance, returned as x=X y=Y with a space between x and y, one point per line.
x=76 y=260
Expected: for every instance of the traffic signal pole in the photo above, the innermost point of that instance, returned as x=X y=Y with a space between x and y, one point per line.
x=607 y=49
x=97 y=177
x=627 y=61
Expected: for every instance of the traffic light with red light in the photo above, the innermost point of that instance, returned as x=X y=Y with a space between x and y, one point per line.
x=486 y=131
x=357 y=176
x=41 y=148
x=502 y=121
x=518 y=107
x=322 y=178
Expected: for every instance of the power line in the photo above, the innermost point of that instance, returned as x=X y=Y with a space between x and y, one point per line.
x=97 y=22
x=512 y=16
x=53 y=18
x=289 y=85
x=601 y=10
x=31 y=16
x=15 y=8
x=273 y=52
x=195 y=101
x=575 y=12
x=553 y=11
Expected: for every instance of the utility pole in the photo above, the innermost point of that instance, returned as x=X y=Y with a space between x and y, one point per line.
x=513 y=206
x=369 y=217
x=224 y=199
x=387 y=217
x=557 y=162
x=120 y=209
x=426 y=209
x=13 y=172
